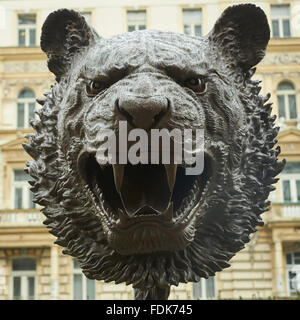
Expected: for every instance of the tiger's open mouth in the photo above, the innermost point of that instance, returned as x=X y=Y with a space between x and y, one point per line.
x=133 y=194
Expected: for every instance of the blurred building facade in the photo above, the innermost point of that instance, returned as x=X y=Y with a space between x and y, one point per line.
x=31 y=266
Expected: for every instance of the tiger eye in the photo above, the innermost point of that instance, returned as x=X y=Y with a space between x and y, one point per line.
x=198 y=85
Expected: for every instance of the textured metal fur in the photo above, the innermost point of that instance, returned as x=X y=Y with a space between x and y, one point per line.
x=239 y=135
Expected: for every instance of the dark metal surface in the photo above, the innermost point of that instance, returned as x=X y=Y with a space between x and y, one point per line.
x=154 y=79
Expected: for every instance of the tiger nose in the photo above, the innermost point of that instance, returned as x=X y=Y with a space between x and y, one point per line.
x=143 y=112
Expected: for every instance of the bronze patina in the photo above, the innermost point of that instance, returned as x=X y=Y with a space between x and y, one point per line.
x=187 y=227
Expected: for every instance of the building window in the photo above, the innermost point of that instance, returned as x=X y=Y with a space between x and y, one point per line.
x=23 y=278
x=192 y=21
x=25 y=108
x=286 y=99
x=280 y=16
x=83 y=288
x=22 y=196
x=204 y=289
x=136 y=20
x=293 y=272
x=26 y=30
x=87 y=16
x=290 y=181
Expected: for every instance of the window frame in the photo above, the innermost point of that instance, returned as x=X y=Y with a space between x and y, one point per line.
x=24 y=185
x=78 y=271
x=291 y=267
x=280 y=20
x=24 y=275
x=286 y=93
x=292 y=178
x=203 y=287
x=26 y=102
x=136 y=24
x=27 y=28
x=192 y=25
x=290 y=173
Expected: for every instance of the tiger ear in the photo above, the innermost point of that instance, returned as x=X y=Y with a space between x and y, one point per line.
x=64 y=34
x=241 y=34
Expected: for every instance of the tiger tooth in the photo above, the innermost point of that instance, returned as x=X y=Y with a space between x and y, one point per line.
x=118 y=170
x=169 y=212
x=171 y=170
x=123 y=217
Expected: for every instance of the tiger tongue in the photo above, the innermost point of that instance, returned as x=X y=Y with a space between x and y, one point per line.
x=145 y=186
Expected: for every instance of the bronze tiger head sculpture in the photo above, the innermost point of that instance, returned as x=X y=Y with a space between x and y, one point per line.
x=151 y=225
